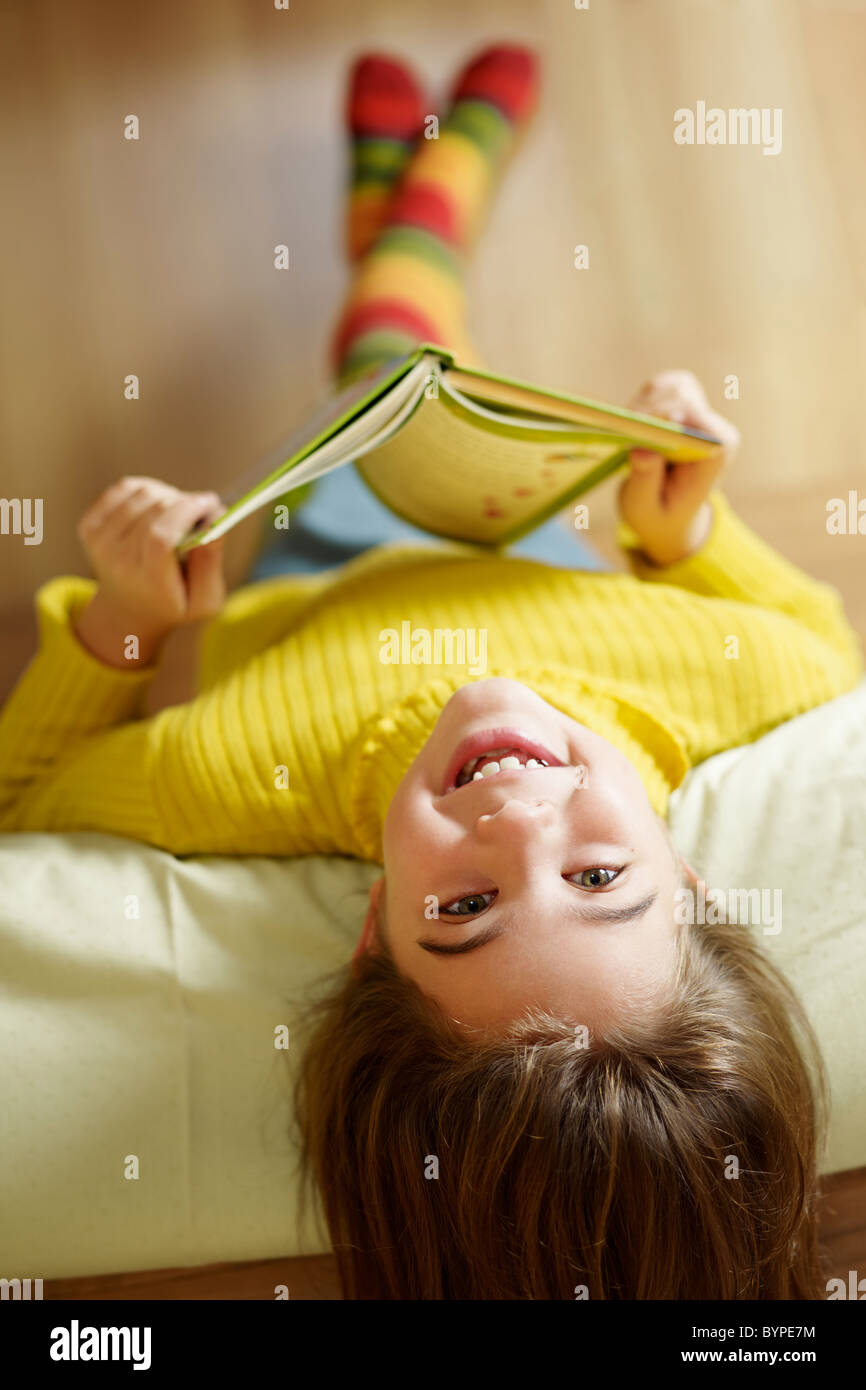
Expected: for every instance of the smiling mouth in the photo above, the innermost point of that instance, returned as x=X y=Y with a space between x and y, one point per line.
x=495 y=753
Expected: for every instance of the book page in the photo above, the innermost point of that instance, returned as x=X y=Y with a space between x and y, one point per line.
x=469 y=476
x=678 y=443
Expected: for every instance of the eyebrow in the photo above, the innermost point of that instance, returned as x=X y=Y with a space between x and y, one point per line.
x=596 y=916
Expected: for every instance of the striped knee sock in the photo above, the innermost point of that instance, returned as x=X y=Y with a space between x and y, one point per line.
x=409 y=287
x=385 y=110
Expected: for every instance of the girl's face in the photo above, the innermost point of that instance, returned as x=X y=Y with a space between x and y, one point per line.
x=554 y=886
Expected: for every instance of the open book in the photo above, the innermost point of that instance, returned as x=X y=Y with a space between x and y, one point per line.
x=460 y=452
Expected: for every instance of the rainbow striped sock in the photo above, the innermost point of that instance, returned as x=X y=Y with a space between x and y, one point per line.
x=409 y=286
x=385 y=110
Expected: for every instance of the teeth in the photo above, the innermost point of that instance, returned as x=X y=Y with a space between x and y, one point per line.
x=502 y=760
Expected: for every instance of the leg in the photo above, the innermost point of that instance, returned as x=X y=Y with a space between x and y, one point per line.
x=385 y=109
x=409 y=285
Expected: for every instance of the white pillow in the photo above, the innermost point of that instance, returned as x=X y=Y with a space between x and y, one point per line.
x=153 y=1036
x=788 y=813
x=150 y=1037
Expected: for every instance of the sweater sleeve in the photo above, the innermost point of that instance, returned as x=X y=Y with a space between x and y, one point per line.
x=734 y=563
x=203 y=777
x=68 y=706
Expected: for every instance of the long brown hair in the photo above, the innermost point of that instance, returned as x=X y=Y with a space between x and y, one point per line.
x=670 y=1158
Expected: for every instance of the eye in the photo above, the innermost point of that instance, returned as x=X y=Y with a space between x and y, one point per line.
x=470 y=906
x=594 y=878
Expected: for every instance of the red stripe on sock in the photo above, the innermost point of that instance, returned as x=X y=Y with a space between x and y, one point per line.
x=384 y=99
x=504 y=75
x=426 y=205
x=382 y=313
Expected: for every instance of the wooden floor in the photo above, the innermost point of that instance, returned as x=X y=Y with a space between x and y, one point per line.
x=843 y=1236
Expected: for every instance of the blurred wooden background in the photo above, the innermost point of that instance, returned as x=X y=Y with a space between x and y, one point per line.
x=155 y=256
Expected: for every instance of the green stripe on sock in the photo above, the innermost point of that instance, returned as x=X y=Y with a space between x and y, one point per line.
x=374 y=348
x=415 y=241
x=377 y=159
x=484 y=124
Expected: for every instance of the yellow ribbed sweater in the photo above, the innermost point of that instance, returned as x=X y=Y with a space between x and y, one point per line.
x=671 y=665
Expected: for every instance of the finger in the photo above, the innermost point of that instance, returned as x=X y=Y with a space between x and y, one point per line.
x=167 y=521
x=96 y=517
x=675 y=381
x=680 y=399
x=645 y=464
x=203 y=567
x=722 y=429
x=705 y=471
x=213 y=507
x=680 y=384
x=696 y=413
x=691 y=482
x=665 y=407
x=121 y=522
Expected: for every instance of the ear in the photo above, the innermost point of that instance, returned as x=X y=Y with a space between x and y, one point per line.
x=367 y=940
x=691 y=874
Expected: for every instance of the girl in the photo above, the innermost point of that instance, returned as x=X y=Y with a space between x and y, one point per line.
x=532 y=1082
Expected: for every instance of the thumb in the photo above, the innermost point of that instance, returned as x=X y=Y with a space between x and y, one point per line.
x=205 y=583
x=646 y=476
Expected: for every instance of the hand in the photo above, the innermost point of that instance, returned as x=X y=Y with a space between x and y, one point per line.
x=666 y=503
x=130 y=534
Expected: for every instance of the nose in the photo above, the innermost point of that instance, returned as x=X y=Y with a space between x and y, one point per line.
x=516 y=824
